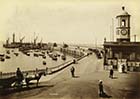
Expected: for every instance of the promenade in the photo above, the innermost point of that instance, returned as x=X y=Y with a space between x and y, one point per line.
x=88 y=72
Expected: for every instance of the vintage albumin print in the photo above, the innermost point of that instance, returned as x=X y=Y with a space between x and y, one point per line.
x=69 y=49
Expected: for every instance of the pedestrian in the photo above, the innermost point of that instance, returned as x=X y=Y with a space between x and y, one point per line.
x=72 y=71
x=19 y=76
x=101 y=91
x=111 y=73
x=123 y=68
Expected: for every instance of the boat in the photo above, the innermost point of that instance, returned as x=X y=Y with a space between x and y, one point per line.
x=44 y=63
x=58 y=55
x=2 y=59
x=16 y=54
x=36 y=55
x=7 y=57
x=1 y=55
x=43 y=53
x=50 y=55
x=54 y=58
x=28 y=54
x=36 y=50
x=63 y=57
x=47 y=52
x=8 y=52
x=44 y=57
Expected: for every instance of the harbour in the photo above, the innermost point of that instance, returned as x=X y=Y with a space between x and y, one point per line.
x=33 y=61
x=69 y=49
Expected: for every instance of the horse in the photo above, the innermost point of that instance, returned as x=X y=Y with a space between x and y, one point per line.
x=7 y=82
x=37 y=77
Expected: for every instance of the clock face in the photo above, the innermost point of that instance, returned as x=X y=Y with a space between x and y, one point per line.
x=123 y=32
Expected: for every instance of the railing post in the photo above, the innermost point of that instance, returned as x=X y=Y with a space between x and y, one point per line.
x=0 y=74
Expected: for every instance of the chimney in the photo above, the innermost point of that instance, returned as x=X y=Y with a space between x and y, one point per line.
x=13 y=37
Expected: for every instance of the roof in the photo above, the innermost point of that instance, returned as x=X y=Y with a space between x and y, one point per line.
x=127 y=44
x=123 y=12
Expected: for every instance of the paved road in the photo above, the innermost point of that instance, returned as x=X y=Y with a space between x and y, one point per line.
x=85 y=86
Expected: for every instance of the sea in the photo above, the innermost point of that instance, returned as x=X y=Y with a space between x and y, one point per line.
x=25 y=62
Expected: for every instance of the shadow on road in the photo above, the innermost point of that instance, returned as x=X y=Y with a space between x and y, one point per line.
x=105 y=95
x=115 y=78
x=8 y=91
x=76 y=77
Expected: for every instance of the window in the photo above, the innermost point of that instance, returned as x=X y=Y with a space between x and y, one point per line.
x=123 y=23
x=117 y=32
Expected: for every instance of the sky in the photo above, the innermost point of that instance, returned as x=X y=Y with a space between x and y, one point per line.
x=69 y=21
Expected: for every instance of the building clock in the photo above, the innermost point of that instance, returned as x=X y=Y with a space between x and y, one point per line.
x=123 y=32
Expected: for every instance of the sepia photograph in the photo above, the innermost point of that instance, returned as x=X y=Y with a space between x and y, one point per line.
x=69 y=49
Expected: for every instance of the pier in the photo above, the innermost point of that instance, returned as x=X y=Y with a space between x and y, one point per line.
x=61 y=85
x=69 y=49
x=73 y=52
x=48 y=71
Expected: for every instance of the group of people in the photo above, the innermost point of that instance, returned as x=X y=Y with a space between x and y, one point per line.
x=101 y=88
x=20 y=76
x=111 y=73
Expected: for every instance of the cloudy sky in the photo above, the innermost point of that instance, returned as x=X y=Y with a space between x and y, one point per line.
x=70 y=21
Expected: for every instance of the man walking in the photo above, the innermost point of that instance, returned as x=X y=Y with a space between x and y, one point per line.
x=72 y=71
x=101 y=91
x=111 y=73
x=123 y=68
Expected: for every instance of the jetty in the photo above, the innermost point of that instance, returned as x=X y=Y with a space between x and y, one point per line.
x=59 y=83
x=48 y=71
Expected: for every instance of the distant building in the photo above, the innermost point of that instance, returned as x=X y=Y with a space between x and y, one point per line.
x=123 y=51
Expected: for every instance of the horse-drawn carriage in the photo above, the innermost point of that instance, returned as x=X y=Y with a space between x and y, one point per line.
x=13 y=81
x=7 y=82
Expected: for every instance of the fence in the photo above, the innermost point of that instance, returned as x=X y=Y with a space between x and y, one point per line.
x=48 y=71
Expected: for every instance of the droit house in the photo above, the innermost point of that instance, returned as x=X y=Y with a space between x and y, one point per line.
x=122 y=52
